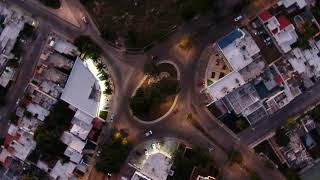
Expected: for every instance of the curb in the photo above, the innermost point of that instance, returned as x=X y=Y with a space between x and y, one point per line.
x=172 y=106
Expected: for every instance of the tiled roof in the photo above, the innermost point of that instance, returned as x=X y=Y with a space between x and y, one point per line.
x=265 y=16
x=284 y=22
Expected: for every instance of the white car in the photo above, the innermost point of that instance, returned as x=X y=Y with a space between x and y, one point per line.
x=149 y=133
x=112 y=117
x=238 y=18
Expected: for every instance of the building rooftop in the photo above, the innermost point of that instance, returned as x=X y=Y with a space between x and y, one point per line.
x=21 y=144
x=287 y=3
x=82 y=90
x=59 y=61
x=243 y=97
x=225 y=85
x=239 y=48
x=74 y=155
x=38 y=111
x=265 y=16
x=65 y=47
x=72 y=141
x=156 y=166
x=282 y=30
x=63 y=171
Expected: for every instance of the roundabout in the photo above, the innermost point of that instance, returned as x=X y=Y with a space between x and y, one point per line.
x=156 y=94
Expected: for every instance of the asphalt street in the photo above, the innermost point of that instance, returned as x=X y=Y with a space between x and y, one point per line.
x=30 y=57
x=126 y=71
x=267 y=125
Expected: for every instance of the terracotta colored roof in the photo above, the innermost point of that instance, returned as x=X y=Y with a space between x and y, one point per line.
x=97 y=123
x=284 y=22
x=265 y=16
x=7 y=163
x=17 y=136
x=275 y=31
x=91 y=134
x=278 y=79
x=8 y=140
x=24 y=102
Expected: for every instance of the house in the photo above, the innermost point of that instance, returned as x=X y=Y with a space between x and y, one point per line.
x=282 y=30
x=240 y=51
x=288 y=3
x=82 y=90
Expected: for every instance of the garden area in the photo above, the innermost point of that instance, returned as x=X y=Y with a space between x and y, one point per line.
x=91 y=54
x=114 y=153
x=47 y=135
x=235 y=123
x=157 y=93
x=139 y=23
x=186 y=159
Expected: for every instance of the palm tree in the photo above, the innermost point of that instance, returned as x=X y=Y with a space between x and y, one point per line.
x=100 y=66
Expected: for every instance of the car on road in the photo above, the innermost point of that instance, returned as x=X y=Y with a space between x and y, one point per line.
x=238 y=18
x=149 y=133
x=84 y=19
x=112 y=117
x=211 y=149
x=268 y=39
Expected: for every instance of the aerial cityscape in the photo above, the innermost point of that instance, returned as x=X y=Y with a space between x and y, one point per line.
x=160 y=90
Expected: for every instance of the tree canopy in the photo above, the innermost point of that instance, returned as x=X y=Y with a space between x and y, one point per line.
x=281 y=137
x=88 y=48
x=48 y=134
x=114 y=153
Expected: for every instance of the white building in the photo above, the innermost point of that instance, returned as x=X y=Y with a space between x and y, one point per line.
x=63 y=171
x=287 y=3
x=82 y=90
x=75 y=146
x=156 y=167
x=240 y=50
x=282 y=30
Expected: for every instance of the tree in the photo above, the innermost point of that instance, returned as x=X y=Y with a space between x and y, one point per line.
x=235 y=156
x=290 y=124
x=303 y=42
x=138 y=103
x=168 y=86
x=88 y=47
x=281 y=137
x=28 y=30
x=150 y=69
x=47 y=135
x=13 y=63
x=114 y=153
x=28 y=114
x=292 y=174
x=241 y=124
x=101 y=66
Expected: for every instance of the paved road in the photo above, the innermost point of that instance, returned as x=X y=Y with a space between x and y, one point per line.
x=126 y=71
x=27 y=67
x=267 y=125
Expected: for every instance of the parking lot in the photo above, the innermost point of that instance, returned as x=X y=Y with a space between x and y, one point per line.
x=268 y=50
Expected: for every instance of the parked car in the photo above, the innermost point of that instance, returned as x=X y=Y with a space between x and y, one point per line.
x=149 y=133
x=238 y=18
x=259 y=32
x=268 y=39
x=112 y=117
x=254 y=25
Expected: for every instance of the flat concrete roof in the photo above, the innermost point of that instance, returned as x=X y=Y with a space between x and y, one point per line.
x=82 y=90
x=225 y=85
x=239 y=49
